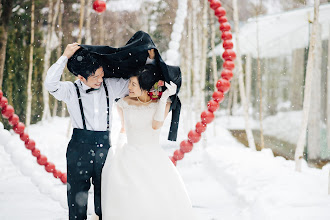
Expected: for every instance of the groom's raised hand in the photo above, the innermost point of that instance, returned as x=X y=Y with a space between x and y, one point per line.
x=70 y=50
x=151 y=53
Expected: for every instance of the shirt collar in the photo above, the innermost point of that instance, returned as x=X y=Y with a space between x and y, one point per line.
x=84 y=86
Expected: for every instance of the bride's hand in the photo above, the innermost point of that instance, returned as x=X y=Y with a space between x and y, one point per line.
x=151 y=53
x=171 y=89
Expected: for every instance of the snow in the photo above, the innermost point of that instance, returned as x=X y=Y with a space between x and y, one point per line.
x=224 y=179
x=281 y=33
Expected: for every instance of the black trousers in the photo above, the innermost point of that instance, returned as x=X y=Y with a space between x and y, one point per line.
x=86 y=154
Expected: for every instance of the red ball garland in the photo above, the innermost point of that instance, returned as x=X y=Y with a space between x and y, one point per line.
x=13 y=120
x=193 y=136
x=186 y=146
x=19 y=128
x=8 y=111
x=200 y=127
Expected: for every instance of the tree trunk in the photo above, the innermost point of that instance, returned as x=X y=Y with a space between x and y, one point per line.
x=57 y=10
x=297 y=79
x=196 y=60
x=7 y=7
x=204 y=40
x=101 y=28
x=81 y=20
x=189 y=68
x=241 y=80
x=248 y=76
x=59 y=50
x=29 y=89
x=328 y=97
x=314 y=118
x=262 y=145
x=308 y=89
x=88 y=36
x=46 y=110
x=214 y=60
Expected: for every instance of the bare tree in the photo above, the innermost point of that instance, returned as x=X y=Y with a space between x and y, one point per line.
x=48 y=49
x=262 y=145
x=241 y=80
x=196 y=57
x=214 y=58
x=248 y=75
x=308 y=89
x=328 y=93
x=88 y=22
x=29 y=90
x=6 y=12
x=204 y=39
x=81 y=20
x=314 y=118
x=46 y=110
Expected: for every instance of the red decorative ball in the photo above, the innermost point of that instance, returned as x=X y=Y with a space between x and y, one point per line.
x=218 y=96
x=24 y=137
x=50 y=167
x=178 y=155
x=224 y=27
x=3 y=102
x=42 y=160
x=193 y=136
x=214 y=4
x=186 y=146
x=57 y=173
x=173 y=161
x=229 y=54
x=207 y=117
x=13 y=120
x=1 y=94
x=212 y=106
x=228 y=44
x=8 y=111
x=99 y=6
x=64 y=178
x=228 y=64
x=30 y=144
x=200 y=127
x=223 y=85
x=222 y=19
x=227 y=74
x=220 y=12
x=226 y=35
x=35 y=152
x=19 y=128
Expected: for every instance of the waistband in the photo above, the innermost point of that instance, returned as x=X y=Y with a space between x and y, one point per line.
x=90 y=137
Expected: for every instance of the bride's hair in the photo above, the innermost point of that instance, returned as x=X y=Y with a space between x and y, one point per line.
x=147 y=76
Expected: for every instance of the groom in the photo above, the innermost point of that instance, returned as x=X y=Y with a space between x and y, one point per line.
x=89 y=101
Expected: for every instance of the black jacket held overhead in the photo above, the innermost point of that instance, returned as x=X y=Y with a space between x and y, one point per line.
x=120 y=62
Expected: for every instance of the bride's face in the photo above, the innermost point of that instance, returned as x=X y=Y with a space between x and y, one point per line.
x=134 y=87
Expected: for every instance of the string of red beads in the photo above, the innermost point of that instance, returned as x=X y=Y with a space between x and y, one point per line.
x=222 y=84
x=8 y=112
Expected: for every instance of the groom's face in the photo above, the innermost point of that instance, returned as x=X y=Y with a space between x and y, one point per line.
x=94 y=81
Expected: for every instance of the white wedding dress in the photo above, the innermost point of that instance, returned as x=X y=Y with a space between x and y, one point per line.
x=139 y=181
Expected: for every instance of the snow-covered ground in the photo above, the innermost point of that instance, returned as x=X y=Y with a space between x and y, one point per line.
x=224 y=179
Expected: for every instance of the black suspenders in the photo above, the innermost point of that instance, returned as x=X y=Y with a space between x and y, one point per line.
x=81 y=106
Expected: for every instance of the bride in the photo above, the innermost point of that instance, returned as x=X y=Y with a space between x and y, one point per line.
x=139 y=181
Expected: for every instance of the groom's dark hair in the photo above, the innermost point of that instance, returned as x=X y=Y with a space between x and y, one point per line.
x=147 y=76
x=84 y=63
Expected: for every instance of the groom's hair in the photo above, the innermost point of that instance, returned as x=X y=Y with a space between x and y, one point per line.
x=147 y=76
x=84 y=63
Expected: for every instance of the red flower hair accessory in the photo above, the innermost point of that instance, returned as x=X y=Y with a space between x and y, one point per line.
x=156 y=91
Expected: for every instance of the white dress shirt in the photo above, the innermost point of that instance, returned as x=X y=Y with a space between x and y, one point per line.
x=94 y=103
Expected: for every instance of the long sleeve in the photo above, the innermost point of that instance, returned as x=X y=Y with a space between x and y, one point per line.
x=60 y=90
